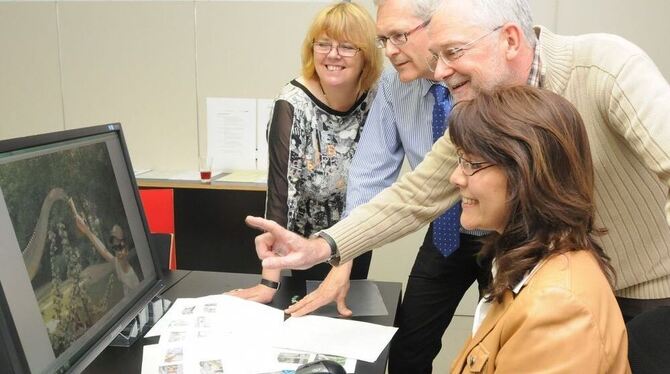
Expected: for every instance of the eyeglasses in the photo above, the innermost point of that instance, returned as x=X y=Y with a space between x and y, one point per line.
x=344 y=50
x=398 y=39
x=452 y=54
x=117 y=244
x=471 y=168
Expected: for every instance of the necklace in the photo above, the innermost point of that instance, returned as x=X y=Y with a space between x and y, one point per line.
x=323 y=92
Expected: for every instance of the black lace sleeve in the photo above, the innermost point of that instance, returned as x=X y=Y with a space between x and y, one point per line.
x=279 y=135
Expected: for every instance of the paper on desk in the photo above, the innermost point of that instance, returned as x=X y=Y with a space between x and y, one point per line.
x=215 y=333
x=140 y=171
x=340 y=337
x=221 y=313
x=244 y=176
x=231 y=132
x=226 y=358
x=174 y=313
x=189 y=175
x=363 y=298
x=221 y=333
x=150 y=359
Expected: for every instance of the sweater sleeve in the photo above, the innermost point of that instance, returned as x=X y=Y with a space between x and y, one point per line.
x=639 y=109
x=279 y=140
x=415 y=200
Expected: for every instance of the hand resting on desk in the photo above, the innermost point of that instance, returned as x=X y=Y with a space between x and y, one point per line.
x=334 y=287
x=282 y=249
x=259 y=293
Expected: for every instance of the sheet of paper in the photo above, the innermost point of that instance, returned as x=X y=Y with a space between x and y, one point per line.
x=334 y=336
x=190 y=175
x=263 y=113
x=150 y=359
x=244 y=176
x=141 y=171
x=364 y=299
x=173 y=314
x=231 y=133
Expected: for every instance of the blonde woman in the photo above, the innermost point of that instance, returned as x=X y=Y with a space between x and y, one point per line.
x=316 y=124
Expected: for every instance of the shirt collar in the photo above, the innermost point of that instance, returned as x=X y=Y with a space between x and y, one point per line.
x=535 y=77
x=426 y=84
x=517 y=288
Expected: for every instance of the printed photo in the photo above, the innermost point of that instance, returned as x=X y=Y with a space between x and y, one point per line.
x=293 y=358
x=339 y=359
x=170 y=369
x=174 y=354
x=176 y=336
x=211 y=367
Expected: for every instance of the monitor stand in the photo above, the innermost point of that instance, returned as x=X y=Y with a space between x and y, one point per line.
x=142 y=322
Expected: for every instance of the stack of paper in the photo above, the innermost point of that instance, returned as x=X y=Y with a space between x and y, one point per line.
x=224 y=334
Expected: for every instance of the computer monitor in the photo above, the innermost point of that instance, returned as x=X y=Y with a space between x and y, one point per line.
x=75 y=261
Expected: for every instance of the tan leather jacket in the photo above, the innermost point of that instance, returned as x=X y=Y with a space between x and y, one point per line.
x=565 y=320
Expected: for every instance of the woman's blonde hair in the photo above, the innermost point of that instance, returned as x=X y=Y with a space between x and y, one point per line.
x=349 y=22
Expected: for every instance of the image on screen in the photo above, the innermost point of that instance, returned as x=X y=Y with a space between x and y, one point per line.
x=74 y=237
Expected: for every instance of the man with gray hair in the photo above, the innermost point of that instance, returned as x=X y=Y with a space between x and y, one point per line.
x=404 y=120
x=624 y=101
x=625 y=104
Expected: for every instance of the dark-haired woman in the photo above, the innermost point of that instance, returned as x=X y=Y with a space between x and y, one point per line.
x=525 y=172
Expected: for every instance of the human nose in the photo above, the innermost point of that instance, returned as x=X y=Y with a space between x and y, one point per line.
x=391 y=49
x=443 y=70
x=334 y=52
x=458 y=177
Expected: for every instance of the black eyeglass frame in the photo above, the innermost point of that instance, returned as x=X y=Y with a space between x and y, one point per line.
x=474 y=167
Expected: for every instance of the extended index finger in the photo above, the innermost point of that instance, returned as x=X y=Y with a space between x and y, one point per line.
x=262 y=224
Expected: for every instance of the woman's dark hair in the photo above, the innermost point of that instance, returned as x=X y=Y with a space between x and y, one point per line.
x=538 y=140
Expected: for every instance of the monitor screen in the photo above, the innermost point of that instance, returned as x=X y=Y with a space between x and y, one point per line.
x=75 y=261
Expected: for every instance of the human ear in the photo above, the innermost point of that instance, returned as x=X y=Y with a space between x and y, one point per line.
x=513 y=37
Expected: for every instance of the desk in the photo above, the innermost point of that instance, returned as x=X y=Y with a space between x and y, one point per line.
x=210 y=233
x=182 y=283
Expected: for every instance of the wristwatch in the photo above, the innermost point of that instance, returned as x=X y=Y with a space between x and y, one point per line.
x=269 y=283
x=334 y=258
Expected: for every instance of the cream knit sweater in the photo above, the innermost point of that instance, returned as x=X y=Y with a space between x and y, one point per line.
x=625 y=103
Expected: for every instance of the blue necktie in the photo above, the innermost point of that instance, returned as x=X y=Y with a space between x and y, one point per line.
x=446 y=228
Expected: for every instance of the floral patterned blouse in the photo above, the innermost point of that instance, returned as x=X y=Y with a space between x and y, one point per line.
x=310 y=149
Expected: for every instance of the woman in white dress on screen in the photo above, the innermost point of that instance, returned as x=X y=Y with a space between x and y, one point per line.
x=118 y=256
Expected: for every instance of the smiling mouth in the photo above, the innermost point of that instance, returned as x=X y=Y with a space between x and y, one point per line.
x=457 y=85
x=468 y=201
x=334 y=68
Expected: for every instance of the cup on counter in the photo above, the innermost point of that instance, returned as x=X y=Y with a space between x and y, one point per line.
x=205 y=165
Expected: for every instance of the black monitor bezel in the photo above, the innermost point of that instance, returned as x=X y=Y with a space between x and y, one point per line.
x=17 y=362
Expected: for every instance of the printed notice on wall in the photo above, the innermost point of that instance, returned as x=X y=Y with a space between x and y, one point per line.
x=237 y=133
x=231 y=133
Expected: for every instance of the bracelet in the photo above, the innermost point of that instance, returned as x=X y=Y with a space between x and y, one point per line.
x=269 y=283
x=334 y=258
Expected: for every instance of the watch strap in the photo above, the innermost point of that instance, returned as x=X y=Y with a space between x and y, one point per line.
x=269 y=283
x=334 y=258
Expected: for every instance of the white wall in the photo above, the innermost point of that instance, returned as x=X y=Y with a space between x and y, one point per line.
x=151 y=64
